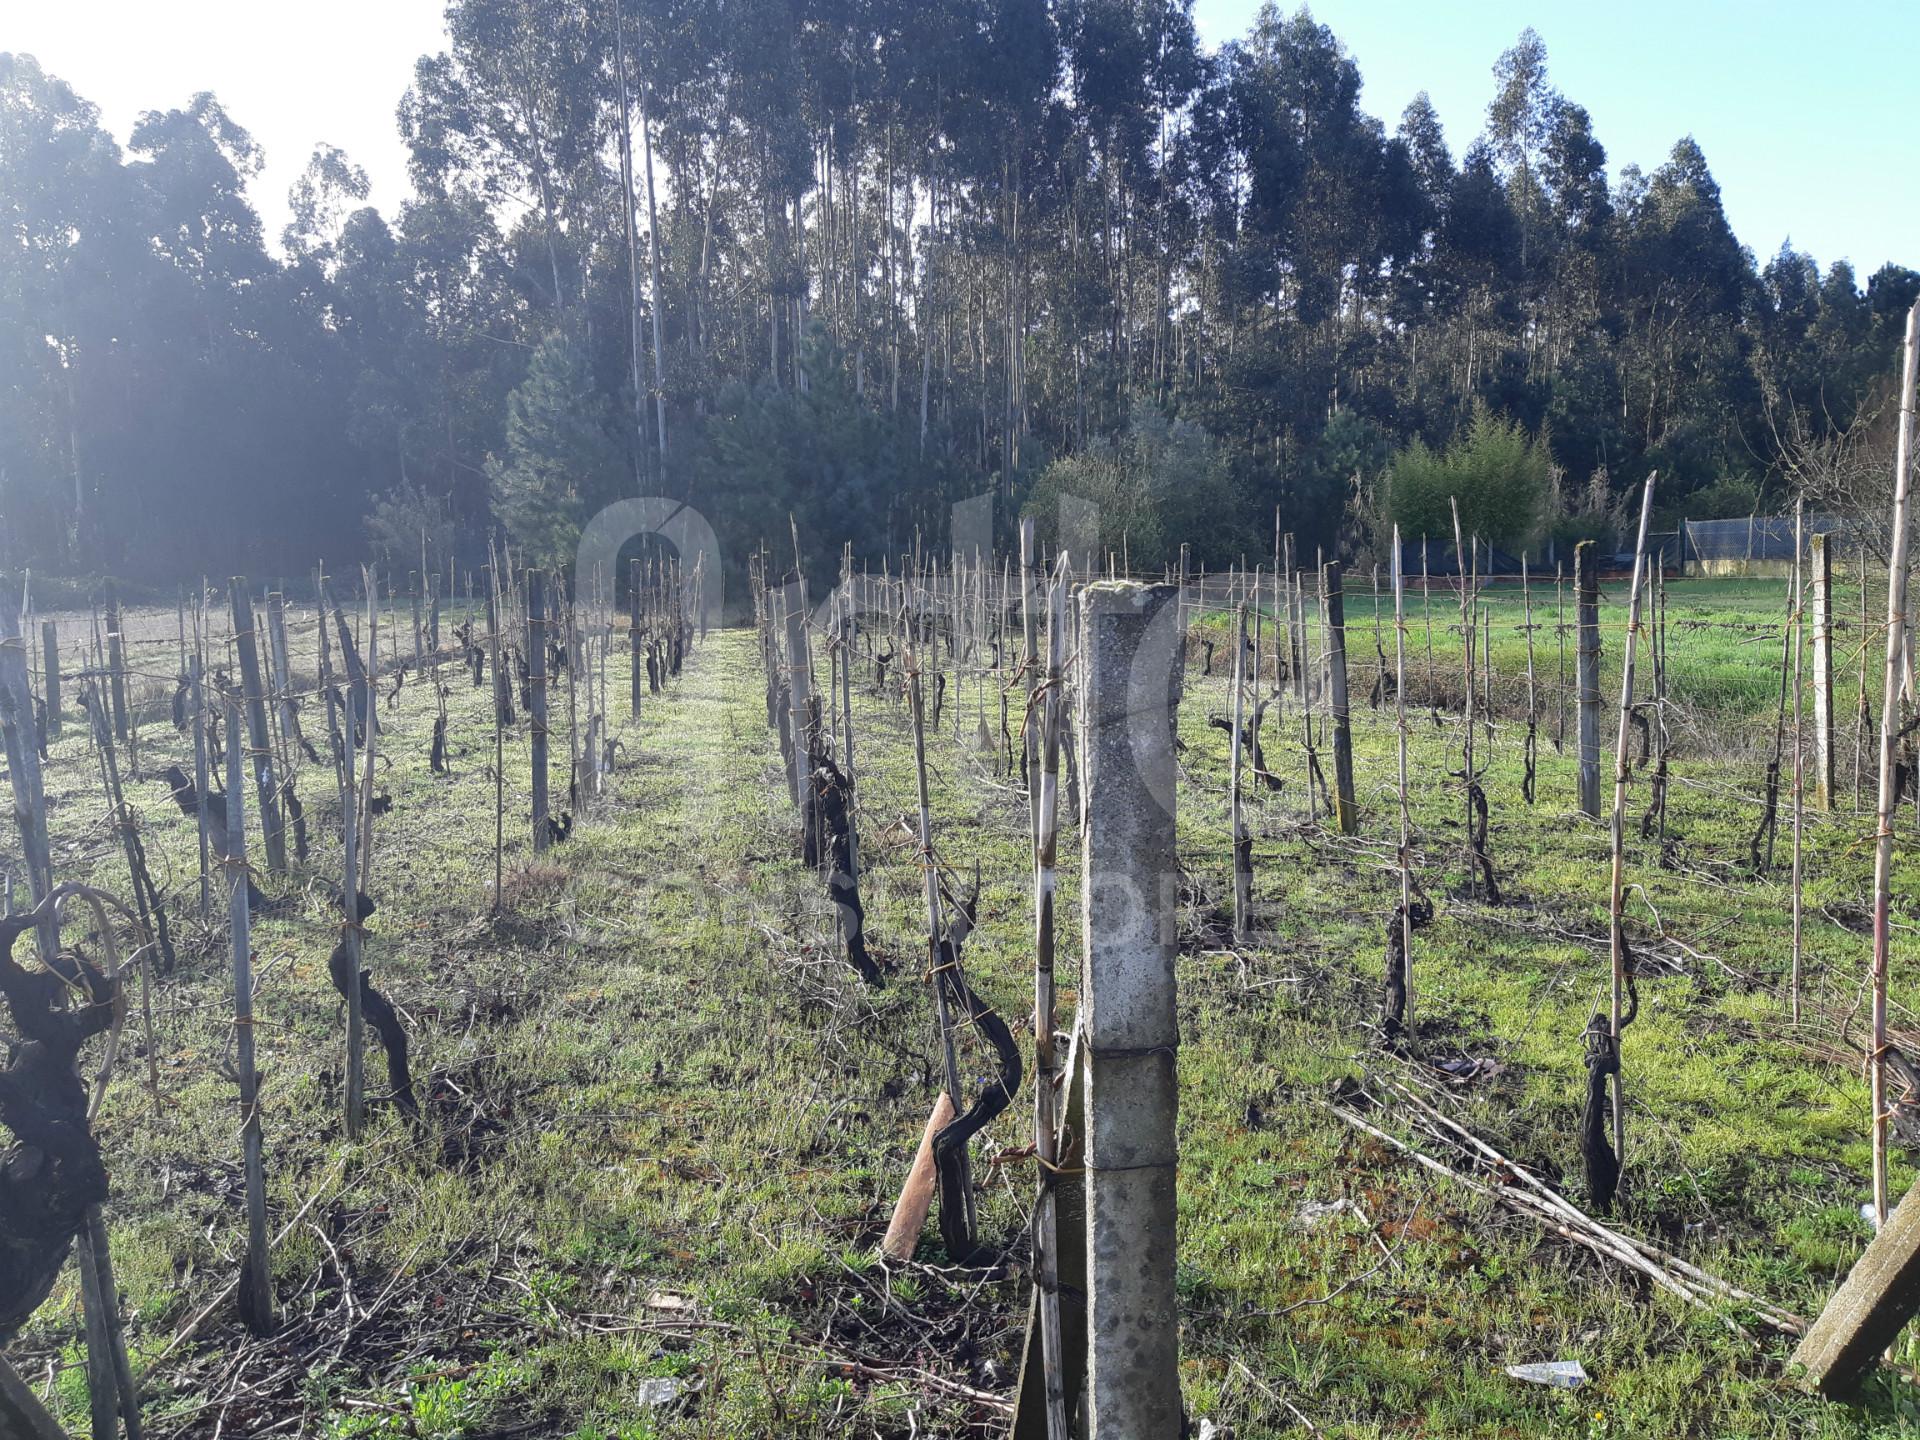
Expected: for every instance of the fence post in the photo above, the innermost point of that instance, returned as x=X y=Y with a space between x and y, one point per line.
x=259 y=739
x=633 y=636
x=537 y=701
x=1346 y=812
x=1586 y=584
x=22 y=751
x=1129 y=887
x=1821 y=559
x=116 y=662
x=50 y=678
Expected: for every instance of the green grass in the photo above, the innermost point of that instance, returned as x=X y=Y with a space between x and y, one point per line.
x=693 y=1111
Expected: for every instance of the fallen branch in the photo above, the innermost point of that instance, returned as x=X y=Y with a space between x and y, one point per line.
x=1514 y=1186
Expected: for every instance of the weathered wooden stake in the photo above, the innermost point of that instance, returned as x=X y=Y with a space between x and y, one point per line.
x=1586 y=586
x=116 y=661
x=537 y=701
x=633 y=636
x=1400 y=738
x=259 y=739
x=22 y=747
x=1866 y=1314
x=1242 y=842
x=50 y=674
x=255 y=1294
x=1129 y=888
x=22 y=1416
x=1345 y=808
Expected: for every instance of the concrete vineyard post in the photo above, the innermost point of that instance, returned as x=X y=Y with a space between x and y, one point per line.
x=1128 y=889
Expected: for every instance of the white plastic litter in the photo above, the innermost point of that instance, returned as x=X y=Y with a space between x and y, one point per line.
x=663 y=1391
x=1561 y=1374
x=1315 y=1211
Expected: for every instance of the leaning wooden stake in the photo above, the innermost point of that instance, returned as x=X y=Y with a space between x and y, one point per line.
x=256 y=1284
x=1866 y=1314
x=1622 y=764
x=1889 y=747
x=22 y=1416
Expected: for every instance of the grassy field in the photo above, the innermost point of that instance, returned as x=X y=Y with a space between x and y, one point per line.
x=666 y=1123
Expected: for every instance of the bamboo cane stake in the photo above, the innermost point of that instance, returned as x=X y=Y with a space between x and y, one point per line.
x=1799 y=743
x=1526 y=624
x=1863 y=717
x=916 y=705
x=1046 y=1065
x=1242 y=877
x=1466 y=671
x=1616 y=932
x=354 y=1100
x=1400 y=734
x=1889 y=741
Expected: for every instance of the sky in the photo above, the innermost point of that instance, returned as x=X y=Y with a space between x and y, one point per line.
x=1804 y=111
x=1797 y=107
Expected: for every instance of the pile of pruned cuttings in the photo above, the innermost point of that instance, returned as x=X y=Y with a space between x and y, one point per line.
x=1439 y=1143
